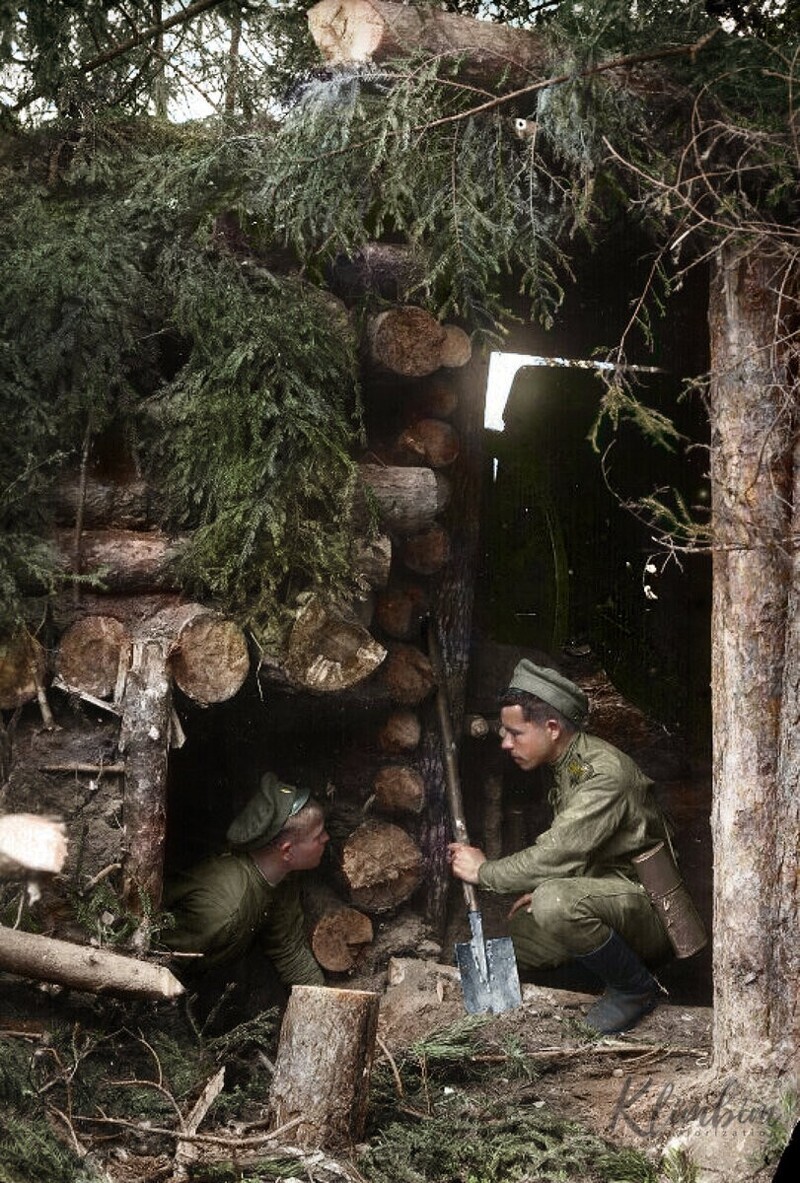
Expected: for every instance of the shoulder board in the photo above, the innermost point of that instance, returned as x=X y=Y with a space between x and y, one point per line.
x=579 y=771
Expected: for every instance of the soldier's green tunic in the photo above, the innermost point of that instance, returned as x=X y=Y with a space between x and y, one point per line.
x=224 y=905
x=580 y=870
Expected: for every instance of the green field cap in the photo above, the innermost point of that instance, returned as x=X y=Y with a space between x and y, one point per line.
x=266 y=813
x=553 y=688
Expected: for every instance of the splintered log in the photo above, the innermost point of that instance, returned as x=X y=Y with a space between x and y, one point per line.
x=406 y=340
x=407 y=675
x=129 y=505
x=329 y=649
x=82 y=967
x=323 y=1065
x=91 y=654
x=348 y=31
x=372 y=560
x=407 y=499
x=400 y=732
x=399 y=610
x=31 y=845
x=380 y=866
x=22 y=670
x=427 y=552
x=399 y=789
x=207 y=653
x=431 y=441
x=144 y=741
x=337 y=932
x=457 y=348
x=122 y=560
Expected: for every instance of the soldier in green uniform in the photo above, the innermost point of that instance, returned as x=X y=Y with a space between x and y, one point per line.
x=581 y=897
x=248 y=896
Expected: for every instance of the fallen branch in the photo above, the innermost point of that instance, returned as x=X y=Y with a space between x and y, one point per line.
x=211 y=1139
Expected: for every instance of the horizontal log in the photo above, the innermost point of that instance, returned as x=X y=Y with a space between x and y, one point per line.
x=407 y=499
x=398 y=788
x=407 y=674
x=124 y=560
x=380 y=866
x=399 y=732
x=430 y=441
x=90 y=654
x=82 y=967
x=400 y=609
x=436 y=398
x=427 y=552
x=351 y=31
x=337 y=932
x=207 y=652
x=377 y=269
x=406 y=340
x=131 y=505
x=31 y=844
x=329 y=649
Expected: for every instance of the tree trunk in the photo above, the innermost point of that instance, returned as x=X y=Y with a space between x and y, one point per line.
x=753 y=426
x=399 y=788
x=407 y=499
x=81 y=967
x=91 y=653
x=380 y=866
x=30 y=844
x=323 y=1066
x=377 y=30
x=144 y=741
x=337 y=933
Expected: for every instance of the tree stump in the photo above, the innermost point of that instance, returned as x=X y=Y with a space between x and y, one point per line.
x=380 y=866
x=323 y=1066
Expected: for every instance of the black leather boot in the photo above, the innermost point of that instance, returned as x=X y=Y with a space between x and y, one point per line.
x=631 y=990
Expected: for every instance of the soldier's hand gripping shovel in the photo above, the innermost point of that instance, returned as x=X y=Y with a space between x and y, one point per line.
x=489 y=976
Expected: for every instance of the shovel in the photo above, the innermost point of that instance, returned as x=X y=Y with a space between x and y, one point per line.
x=489 y=977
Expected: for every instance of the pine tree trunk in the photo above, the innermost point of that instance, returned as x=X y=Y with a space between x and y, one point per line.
x=755 y=811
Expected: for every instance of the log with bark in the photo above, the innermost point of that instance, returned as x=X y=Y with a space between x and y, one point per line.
x=429 y=441
x=379 y=865
x=129 y=506
x=377 y=269
x=399 y=788
x=400 y=609
x=122 y=560
x=31 y=845
x=337 y=932
x=428 y=551
x=399 y=732
x=83 y=967
x=323 y=1065
x=349 y=31
x=22 y=670
x=406 y=499
x=144 y=741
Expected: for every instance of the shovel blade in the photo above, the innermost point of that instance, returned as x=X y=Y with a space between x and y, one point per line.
x=497 y=990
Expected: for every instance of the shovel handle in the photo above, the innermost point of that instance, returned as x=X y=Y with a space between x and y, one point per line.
x=455 y=801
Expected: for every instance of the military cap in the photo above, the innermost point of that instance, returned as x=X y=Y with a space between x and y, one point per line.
x=553 y=688
x=266 y=813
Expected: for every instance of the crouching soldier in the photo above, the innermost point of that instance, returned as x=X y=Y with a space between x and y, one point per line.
x=247 y=899
x=581 y=898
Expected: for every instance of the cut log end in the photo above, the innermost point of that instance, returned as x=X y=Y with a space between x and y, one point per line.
x=339 y=937
x=90 y=654
x=381 y=866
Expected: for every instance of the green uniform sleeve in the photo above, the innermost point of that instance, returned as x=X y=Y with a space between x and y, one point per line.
x=578 y=833
x=284 y=941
